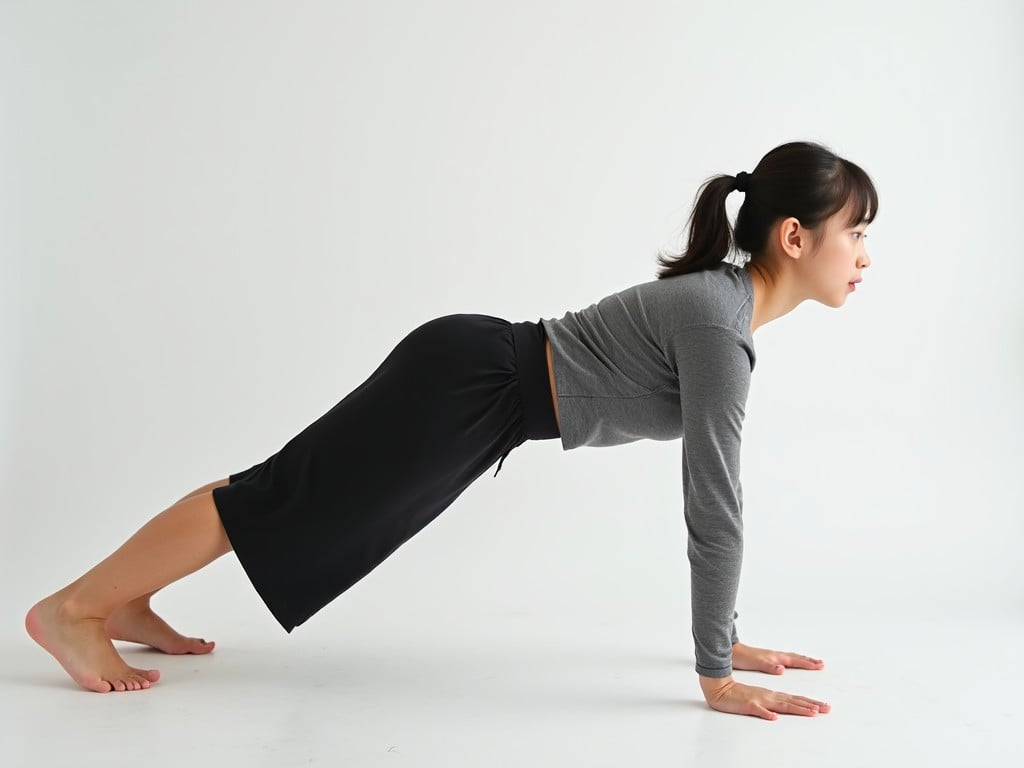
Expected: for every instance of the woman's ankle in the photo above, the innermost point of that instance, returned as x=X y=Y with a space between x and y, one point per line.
x=78 y=608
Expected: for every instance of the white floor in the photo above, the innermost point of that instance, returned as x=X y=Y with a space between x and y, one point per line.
x=478 y=686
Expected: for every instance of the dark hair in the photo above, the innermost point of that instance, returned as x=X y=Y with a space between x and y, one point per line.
x=800 y=179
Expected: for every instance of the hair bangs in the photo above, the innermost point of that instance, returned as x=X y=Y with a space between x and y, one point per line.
x=859 y=191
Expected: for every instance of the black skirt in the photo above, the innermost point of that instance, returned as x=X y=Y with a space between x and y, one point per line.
x=456 y=395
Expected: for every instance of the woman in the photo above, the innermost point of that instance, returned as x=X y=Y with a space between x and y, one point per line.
x=664 y=359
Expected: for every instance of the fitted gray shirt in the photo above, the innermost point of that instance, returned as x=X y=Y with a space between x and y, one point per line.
x=666 y=359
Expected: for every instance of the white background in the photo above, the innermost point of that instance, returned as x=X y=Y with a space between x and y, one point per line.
x=216 y=219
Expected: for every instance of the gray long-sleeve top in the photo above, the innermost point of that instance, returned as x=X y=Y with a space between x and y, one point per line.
x=661 y=360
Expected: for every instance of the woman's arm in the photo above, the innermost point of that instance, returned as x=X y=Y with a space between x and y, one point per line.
x=713 y=365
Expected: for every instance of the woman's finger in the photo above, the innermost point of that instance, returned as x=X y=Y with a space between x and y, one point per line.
x=822 y=706
x=797 y=708
x=812 y=702
x=801 y=661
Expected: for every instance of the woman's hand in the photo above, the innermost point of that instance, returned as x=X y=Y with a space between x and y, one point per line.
x=747 y=657
x=726 y=695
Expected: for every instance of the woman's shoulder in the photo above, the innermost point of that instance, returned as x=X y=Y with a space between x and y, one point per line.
x=719 y=296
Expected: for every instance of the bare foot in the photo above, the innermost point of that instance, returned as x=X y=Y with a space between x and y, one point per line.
x=140 y=625
x=83 y=649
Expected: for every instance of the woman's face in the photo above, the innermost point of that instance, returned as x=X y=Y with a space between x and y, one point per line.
x=839 y=260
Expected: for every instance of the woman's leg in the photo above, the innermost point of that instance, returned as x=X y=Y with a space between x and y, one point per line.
x=206 y=488
x=70 y=623
x=136 y=622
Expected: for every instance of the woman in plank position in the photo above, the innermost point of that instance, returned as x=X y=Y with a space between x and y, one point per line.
x=665 y=359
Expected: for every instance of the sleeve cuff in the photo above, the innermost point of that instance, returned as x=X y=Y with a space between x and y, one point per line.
x=713 y=671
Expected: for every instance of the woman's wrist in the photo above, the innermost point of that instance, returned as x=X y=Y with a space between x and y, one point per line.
x=714 y=683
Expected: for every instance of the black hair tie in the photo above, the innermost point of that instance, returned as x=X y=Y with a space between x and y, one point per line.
x=742 y=181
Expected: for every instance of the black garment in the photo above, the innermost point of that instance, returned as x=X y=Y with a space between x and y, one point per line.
x=456 y=395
